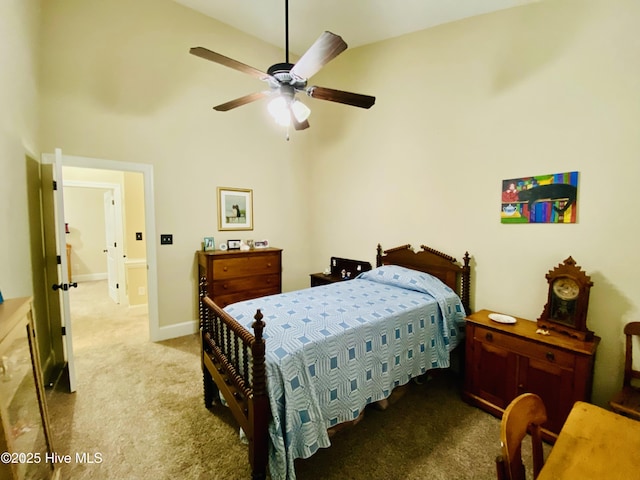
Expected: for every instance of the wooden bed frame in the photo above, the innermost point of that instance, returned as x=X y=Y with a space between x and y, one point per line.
x=226 y=346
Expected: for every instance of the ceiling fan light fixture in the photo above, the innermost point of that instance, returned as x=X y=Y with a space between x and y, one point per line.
x=279 y=110
x=300 y=110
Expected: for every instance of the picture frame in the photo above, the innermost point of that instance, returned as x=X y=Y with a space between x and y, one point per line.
x=235 y=208
x=208 y=244
x=261 y=244
x=234 y=244
x=550 y=198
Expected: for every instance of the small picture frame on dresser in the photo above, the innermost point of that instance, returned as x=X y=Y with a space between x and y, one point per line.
x=233 y=244
x=208 y=244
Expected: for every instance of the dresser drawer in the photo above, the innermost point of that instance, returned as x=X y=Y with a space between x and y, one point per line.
x=256 y=264
x=240 y=284
x=229 y=298
x=524 y=347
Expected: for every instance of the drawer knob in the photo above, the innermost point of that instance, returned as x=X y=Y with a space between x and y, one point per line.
x=489 y=336
x=550 y=356
x=224 y=269
x=225 y=286
x=269 y=265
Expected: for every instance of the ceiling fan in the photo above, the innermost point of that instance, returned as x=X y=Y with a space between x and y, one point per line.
x=285 y=80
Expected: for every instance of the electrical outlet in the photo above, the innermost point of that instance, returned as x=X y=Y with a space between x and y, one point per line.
x=166 y=239
x=138 y=235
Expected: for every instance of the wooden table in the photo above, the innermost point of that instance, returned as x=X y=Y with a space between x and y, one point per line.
x=594 y=443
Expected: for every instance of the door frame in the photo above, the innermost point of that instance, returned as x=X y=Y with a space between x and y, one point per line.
x=155 y=333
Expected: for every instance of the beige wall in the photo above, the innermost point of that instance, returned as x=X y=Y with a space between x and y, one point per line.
x=544 y=88
x=135 y=250
x=134 y=211
x=21 y=251
x=18 y=139
x=130 y=91
x=84 y=213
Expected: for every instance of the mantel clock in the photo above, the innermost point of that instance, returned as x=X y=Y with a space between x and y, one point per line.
x=567 y=301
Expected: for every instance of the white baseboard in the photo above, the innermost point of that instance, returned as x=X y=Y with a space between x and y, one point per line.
x=90 y=277
x=175 y=331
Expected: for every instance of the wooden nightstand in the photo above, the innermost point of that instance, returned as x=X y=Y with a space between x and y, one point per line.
x=352 y=267
x=504 y=360
x=318 y=279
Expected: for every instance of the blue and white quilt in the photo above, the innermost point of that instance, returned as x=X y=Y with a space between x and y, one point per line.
x=331 y=350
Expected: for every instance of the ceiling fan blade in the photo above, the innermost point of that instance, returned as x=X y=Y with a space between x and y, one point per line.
x=229 y=62
x=339 y=96
x=327 y=47
x=238 y=102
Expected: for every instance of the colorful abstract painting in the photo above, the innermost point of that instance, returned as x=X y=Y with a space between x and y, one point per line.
x=541 y=199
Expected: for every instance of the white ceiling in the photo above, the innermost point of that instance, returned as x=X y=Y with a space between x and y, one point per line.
x=358 y=22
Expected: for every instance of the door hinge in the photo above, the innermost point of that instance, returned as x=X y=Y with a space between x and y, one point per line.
x=58 y=260
x=117 y=285
x=55 y=185
x=64 y=330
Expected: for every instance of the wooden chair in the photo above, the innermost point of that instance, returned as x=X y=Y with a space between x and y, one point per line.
x=525 y=413
x=627 y=401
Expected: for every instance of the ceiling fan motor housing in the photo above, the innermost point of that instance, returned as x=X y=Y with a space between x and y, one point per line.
x=282 y=72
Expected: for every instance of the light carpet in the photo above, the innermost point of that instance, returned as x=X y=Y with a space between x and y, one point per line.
x=139 y=407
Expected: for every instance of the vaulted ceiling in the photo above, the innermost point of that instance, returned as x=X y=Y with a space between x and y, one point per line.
x=358 y=22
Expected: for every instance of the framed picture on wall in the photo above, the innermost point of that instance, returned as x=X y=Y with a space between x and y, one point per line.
x=235 y=209
x=551 y=198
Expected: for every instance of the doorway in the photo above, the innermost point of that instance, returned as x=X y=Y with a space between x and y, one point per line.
x=95 y=230
x=150 y=266
x=53 y=217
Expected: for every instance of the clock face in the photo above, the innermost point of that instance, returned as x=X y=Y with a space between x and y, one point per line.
x=566 y=288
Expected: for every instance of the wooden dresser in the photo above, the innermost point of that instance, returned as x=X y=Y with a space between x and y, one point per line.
x=505 y=360
x=233 y=276
x=25 y=438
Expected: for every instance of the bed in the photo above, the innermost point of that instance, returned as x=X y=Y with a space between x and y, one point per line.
x=292 y=367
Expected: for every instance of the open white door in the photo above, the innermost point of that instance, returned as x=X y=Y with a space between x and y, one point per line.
x=56 y=255
x=114 y=247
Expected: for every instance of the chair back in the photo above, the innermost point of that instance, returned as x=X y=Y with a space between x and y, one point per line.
x=526 y=413
x=627 y=401
x=631 y=329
